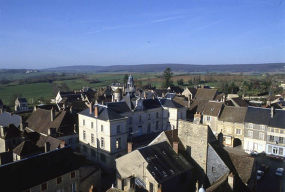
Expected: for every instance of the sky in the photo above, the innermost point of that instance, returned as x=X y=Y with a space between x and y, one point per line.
x=49 y=33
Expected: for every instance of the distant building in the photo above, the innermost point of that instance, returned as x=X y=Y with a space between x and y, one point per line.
x=21 y=105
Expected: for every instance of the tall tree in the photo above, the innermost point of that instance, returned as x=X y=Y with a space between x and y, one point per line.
x=167 y=74
x=125 y=79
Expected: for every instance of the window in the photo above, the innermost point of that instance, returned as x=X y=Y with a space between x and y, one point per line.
x=208 y=118
x=103 y=157
x=73 y=187
x=70 y=140
x=271 y=138
x=44 y=186
x=102 y=128
x=250 y=134
x=59 y=180
x=118 y=129
x=261 y=136
x=275 y=149
x=156 y=127
x=156 y=114
x=281 y=131
x=93 y=153
x=84 y=148
x=130 y=131
x=272 y=130
x=148 y=116
x=250 y=126
x=262 y=127
x=238 y=131
x=102 y=142
x=91 y=124
x=118 y=143
x=72 y=174
x=92 y=138
x=130 y=120
x=280 y=139
x=84 y=135
x=280 y=151
x=148 y=128
x=276 y=130
x=140 y=118
x=83 y=122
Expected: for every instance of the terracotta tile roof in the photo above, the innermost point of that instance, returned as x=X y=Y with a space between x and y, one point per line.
x=233 y=114
x=40 y=121
x=213 y=108
x=206 y=94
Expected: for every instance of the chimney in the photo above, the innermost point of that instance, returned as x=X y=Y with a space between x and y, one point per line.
x=0 y=111
x=47 y=147
x=96 y=111
x=91 y=108
x=130 y=147
x=62 y=144
x=189 y=100
x=63 y=106
x=272 y=111
x=242 y=96
x=51 y=132
x=3 y=131
x=197 y=118
x=113 y=98
x=71 y=109
x=145 y=95
x=74 y=128
x=35 y=108
x=153 y=97
x=175 y=146
x=220 y=139
x=52 y=114
x=163 y=95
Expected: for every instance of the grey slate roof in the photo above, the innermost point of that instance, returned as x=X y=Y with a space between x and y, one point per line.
x=151 y=103
x=278 y=119
x=22 y=99
x=213 y=108
x=161 y=157
x=233 y=114
x=27 y=173
x=257 y=115
x=170 y=103
x=8 y=118
x=240 y=102
x=104 y=114
x=119 y=107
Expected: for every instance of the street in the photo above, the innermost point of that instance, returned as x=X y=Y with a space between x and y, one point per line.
x=270 y=182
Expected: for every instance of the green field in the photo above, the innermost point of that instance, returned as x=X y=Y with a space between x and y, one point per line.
x=32 y=92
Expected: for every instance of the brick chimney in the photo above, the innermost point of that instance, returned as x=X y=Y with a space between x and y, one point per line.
x=197 y=118
x=91 y=108
x=62 y=144
x=96 y=111
x=130 y=147
x=175 y=146
x=52 y=114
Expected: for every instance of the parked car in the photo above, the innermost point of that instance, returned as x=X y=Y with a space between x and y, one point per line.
x=279 y=171
x=259 y=174
x=275 y=157
x=254 y=153
x=251 y=152
x=263 y=168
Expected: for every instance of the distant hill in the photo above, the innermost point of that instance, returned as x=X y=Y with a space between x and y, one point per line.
x=259 y=68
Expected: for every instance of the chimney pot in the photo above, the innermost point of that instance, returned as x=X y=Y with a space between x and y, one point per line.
x=62 y=144
x=52 y=114
x=96 y=111
x=130 y=147
x=91 y=107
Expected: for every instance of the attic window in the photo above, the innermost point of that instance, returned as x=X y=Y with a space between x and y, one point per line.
x=164 y=174
x=59 y=180
x=171 y=171
x=213 y=169
x=44 y=187
x=212 y=109
x=153 y=173
x=164 y=152
x=155 y=168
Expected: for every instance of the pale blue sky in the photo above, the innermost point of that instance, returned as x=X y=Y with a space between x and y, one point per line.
x=49 y=33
